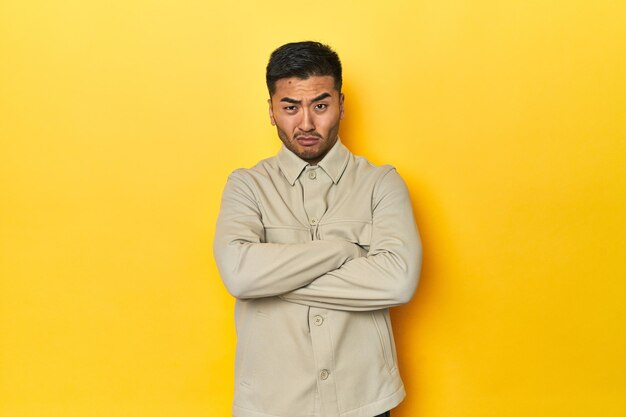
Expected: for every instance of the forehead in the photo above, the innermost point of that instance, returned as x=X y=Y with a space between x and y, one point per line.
x=302 y=88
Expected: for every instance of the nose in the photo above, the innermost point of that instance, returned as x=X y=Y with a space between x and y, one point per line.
x=306 y=122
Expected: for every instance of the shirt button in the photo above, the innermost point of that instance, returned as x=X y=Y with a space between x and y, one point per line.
x=312 y=175
x=318 y=320
x=313 y=221
x=324 y=374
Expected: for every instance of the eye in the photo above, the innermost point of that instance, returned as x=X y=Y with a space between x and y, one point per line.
x=290 y=109
x=321 y=106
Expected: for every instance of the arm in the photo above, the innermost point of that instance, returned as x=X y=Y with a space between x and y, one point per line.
x=388 y=276
x=251 y=269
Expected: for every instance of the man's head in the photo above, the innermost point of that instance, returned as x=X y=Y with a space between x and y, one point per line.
x=304 y=81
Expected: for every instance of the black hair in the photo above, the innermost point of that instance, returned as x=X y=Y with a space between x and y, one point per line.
x=302 y=60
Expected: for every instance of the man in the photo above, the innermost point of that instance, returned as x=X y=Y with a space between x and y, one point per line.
x=316 y=244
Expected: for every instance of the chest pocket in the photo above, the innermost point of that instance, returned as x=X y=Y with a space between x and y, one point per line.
x=355 y=231
x=286 y=234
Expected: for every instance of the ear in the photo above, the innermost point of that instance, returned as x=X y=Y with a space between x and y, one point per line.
x=341 y=100
x=272 y=121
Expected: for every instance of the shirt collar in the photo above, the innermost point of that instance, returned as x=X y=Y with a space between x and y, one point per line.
x=334 y=163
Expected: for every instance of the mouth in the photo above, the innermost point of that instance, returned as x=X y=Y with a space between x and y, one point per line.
x=307 y=140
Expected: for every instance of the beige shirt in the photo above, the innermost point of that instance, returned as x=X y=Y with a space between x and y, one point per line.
x=315 y=255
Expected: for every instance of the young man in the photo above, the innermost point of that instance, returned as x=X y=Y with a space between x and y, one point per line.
x=316 y=244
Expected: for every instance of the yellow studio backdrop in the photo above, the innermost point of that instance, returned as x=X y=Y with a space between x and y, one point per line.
x=120 y=121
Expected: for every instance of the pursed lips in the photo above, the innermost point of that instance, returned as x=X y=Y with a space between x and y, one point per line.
x=307 y=140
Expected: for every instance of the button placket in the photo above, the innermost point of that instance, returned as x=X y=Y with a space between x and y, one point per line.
x=324 y=360
x=316 y=186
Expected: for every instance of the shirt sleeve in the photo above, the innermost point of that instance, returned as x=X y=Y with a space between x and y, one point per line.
x=388 y=275
x=251 y=268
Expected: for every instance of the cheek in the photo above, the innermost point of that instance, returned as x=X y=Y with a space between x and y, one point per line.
x=285 y=128
x=329 y=123
x=286 y=122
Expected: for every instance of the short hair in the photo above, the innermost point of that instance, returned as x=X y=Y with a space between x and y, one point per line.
x=302 y=60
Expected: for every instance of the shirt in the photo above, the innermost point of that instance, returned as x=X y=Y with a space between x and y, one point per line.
x=315 y=256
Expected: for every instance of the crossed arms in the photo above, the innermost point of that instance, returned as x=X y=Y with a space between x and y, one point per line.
x=334 y=274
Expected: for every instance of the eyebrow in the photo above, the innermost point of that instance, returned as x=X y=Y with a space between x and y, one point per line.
x=294 y=101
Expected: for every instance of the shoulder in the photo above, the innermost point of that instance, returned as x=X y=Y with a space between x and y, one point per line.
x=254 y=181
x=263 y=168
x=384 y=180
x=364 y=164
x=362 y=168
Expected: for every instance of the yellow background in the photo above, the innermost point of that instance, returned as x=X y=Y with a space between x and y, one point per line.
x=120 y=121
